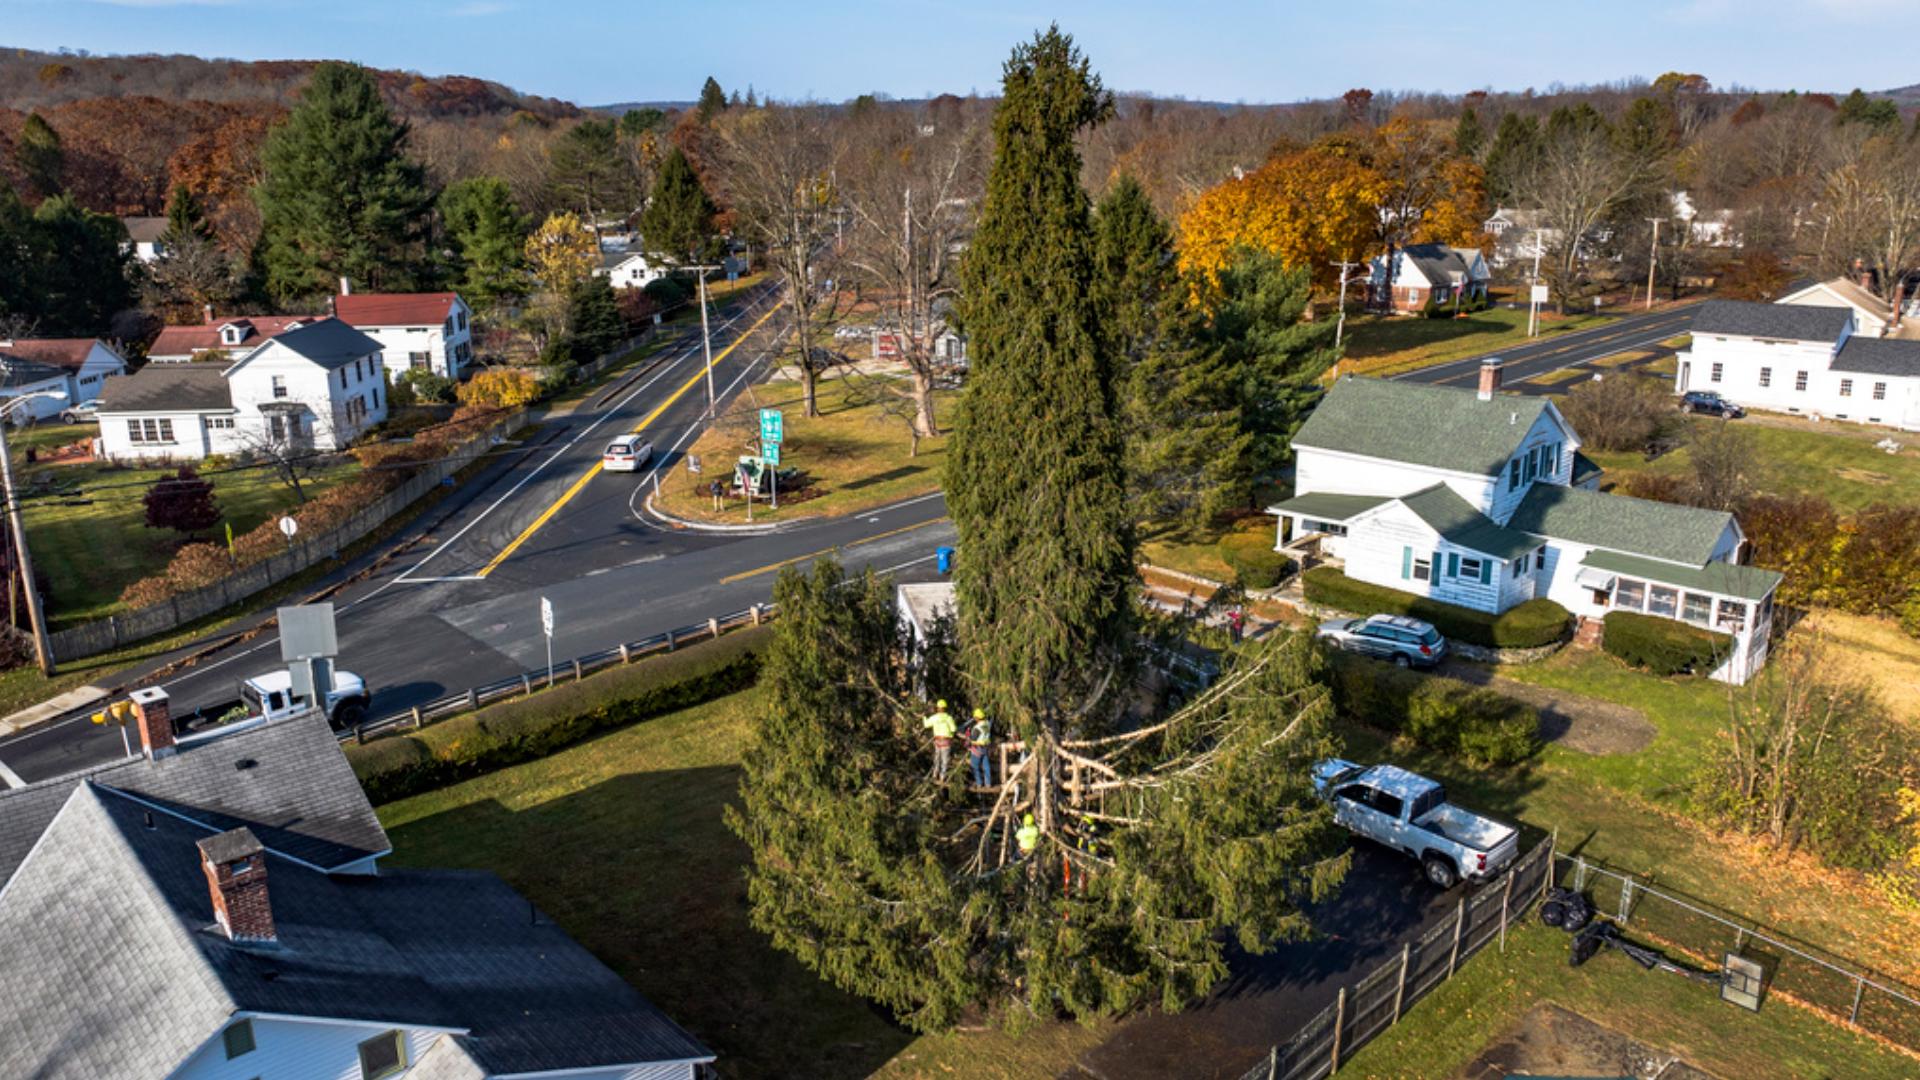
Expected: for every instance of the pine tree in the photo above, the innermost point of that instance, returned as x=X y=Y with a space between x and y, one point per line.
x=712 y=99
x=593 y=320
x=79 y=275
x=182 y=502
x=340 y=197
x=678 y=221
x=1278 y=358
x=586 y=169
x=185 y=220
x=40 y=158
x=637 y=122
x=1154 y=835
x=1134 y=270
x=489 y=235
x=1469 y=137
x=1516 y=146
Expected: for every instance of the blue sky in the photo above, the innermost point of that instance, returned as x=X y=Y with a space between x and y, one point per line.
x=594 y=52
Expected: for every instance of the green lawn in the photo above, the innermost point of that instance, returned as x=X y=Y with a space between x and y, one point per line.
x=621 y=840
x=1385 y=345
x=1447 y=1030
x=1837 y=460
x=1200 y=555
x=93 y=542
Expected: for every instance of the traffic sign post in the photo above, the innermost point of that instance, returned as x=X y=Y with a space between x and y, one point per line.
x=772 y=434
x=288 y=527
x=772 y=426
x=546 y=627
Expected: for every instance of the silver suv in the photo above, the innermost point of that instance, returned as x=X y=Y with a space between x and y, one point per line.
x=1407 y=642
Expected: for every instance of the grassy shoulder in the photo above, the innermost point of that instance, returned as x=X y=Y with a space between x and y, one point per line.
x=87 y=525
x=1390 y=344
x=1442 y=1034
x=621 y=841
x=856 y=455
x=1835 y=460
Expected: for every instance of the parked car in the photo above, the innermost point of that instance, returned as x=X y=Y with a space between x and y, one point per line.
x=87 y=412
x=1410 y=814
x=1405 y=641
x=1708 y=403
x=626 y=454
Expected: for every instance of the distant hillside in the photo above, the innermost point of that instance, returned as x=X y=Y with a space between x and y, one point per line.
x=1904 y=95
x=619 y=107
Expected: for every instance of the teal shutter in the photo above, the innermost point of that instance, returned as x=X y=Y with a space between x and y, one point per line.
x=1453 y=564
x=1406 y=563
x=1486 y=571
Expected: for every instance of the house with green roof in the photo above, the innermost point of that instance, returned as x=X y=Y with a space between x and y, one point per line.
x=1483 y=499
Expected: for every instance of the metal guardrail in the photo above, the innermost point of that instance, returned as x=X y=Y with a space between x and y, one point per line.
x=579 y=667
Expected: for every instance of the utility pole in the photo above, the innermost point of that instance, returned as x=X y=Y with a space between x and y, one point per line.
x=1340 y=324
x=1653 y=256
x=706 y=337
x=41 y=650
x=1533 y=303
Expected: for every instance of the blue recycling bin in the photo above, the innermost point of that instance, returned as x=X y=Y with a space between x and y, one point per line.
x=943 y=558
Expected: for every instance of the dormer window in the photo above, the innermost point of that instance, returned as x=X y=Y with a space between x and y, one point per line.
x=231 y=334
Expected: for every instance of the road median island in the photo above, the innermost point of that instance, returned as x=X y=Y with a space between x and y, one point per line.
x=857 y=455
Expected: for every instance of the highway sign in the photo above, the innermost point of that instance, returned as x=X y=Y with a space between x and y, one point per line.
x=772 y=426
x=546 y=617
x=770 y=453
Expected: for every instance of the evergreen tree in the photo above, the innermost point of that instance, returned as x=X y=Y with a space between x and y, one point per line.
x=593 y=320
x=1469 y=137
x=712 y=99
x=77 y=278
x=185 y=220
x=182 y=502
x=40 y=158
x=1516 y=146
x=1134 y=272
x=340 y=198
x=1876 y=114
x=637 y=122
x=678 y=221
x=586 y=169
x=1278 y=356
x=489 y=235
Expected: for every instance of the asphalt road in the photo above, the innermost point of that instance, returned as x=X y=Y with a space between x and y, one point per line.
x=452 y=613
x=1568 y=350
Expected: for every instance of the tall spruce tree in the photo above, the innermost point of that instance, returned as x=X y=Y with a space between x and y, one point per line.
x=489 y=235
x=339 y=196
x=1151 y=837
x=1516 y=146
x=1277 y=358
x=1134 y=271
x=1469 y=135
x=678 y=221
x=186 y=221
x=712 y=99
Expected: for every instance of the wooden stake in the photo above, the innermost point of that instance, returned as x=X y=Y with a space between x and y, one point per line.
x=1506 y=895
x=1339 y=1021
x=1459 y=924
x=1400 y=991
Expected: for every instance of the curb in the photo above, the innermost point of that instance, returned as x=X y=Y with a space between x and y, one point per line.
x=682 y=524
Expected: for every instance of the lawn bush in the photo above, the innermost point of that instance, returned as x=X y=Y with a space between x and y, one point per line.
x=1476 y=725
x=1524 y=626
x=531 y=727
x=1663 y=646
x=1254 y=562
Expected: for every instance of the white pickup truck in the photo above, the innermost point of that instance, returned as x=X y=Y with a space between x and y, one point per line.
x=270 y=694
x=1411 y=814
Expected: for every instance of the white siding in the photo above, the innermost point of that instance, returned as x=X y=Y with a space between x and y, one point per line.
x=1742 y=361
x=38 y=408
x=296 y=1050
x=191 y=437
x=399 y=344
x=309 y=384
x=1505 y=496
x=1317 y=470
x=1376 y=552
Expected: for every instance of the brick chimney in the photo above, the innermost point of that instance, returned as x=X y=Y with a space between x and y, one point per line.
x=346 y=286
x=155 y=720
x=1490 y=377
x=236 y=868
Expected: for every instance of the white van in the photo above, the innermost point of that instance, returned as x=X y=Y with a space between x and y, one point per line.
x=626 y=454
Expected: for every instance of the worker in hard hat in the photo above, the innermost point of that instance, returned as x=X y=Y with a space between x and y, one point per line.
x=1028 y=836
x=942 y=725
x=979 y=745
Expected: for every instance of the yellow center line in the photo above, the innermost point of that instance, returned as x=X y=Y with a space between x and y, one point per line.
x=593 y=470
x=1605 y=339
x=784 y=563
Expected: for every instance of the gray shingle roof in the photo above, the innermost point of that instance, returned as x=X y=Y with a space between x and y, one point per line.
x=1879 y=356
x=286 y=781
x=1789 y=322
x=17 y=371
x=1456 y=520
x=330 y=343
x=449 y=949
x=1438 y=263
x=1679 y=534
x=1440 y=426
x=1725 y=579
x=1326 y=506
x=167 y=388
x=1584 y=468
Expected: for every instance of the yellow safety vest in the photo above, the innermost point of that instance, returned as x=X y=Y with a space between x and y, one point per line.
x=942 y=725
x=1029 y=838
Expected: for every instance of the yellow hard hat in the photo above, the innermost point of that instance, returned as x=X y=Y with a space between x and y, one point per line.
x=940 y=704
x=979 y=714
x=1029 y=820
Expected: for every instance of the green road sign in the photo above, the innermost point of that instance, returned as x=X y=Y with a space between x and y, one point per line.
x=772 y=426
x=770 y=452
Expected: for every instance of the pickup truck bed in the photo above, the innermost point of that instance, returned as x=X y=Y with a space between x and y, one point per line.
x=1467 y=830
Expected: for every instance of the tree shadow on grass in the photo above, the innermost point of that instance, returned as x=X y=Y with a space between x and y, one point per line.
x=642 y=871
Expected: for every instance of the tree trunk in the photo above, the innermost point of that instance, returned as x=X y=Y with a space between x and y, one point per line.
x=924 y=426
x=809 y=384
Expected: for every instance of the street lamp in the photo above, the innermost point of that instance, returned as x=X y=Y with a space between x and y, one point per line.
x=41 y=651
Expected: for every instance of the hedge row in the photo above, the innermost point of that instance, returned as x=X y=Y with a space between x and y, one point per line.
x=1524 y=626
x=1440 y=714
x=1663 y=646
x=525 y=728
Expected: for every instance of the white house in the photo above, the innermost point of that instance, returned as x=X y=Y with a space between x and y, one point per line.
x=1483 y=499
x=220 y=338
x=1872 y=316
x=1425 y=273
x=1803 y=359
x=143 y=237
x=630 y=269
x=1709 y=228
x=213 y=908
x=432 y=331
x=317 y=386
x=87 y=362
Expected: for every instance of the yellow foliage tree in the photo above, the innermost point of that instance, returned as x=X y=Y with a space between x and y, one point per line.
x=500 y=388
x=1311 y=207
x=562 y=252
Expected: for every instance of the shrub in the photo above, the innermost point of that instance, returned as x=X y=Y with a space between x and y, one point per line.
x=500 y=388
x=1663 y=646
x=532 y=727
x=671 y=291
x=1617 y=412
x=1439 y=714
x=1255 y=564
x=1525 y=626
x=427 y=386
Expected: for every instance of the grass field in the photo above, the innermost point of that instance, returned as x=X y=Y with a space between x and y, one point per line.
x=855 y=456
x=1201 y=555
x=621 y=841
x=1385 y=345
x=93 y=543
x=1835 y=460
